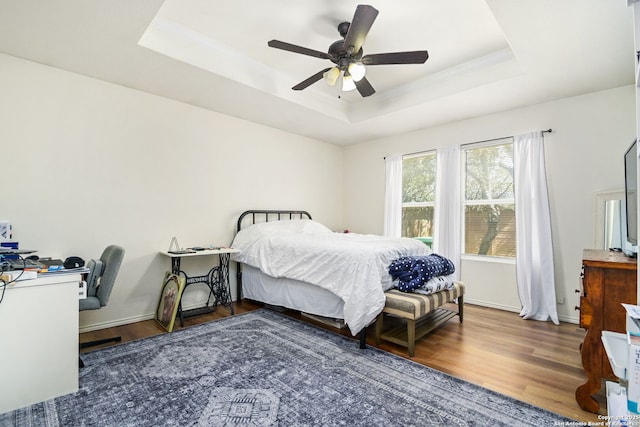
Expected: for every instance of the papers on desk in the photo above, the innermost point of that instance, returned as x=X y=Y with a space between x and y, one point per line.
x=194 y=250
x=19 y=275
x=617 y=412
x=617 y=349
x=633 y=361
x=633 y=314
x=632 y=310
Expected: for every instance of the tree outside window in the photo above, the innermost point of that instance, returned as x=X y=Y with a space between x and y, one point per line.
x=489 y=206
x=418 y=195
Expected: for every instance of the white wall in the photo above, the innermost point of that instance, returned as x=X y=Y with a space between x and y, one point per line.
x=87 y=163
x=584 y=155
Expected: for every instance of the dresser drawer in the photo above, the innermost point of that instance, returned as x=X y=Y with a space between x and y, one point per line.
x=586 y=313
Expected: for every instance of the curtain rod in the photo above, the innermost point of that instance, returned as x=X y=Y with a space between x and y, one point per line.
x=497 y=139
x=471 y=143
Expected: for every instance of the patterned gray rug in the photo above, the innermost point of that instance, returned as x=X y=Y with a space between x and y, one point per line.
x=265 y=369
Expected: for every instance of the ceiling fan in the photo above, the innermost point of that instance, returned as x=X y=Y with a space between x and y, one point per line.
x=348 y=56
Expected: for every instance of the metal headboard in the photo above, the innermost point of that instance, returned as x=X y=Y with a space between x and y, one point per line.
x=271 y=215
x=263 y=215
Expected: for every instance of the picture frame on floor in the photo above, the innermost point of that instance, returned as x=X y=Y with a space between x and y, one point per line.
x=172 y=288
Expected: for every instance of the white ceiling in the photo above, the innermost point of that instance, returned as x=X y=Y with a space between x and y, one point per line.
x=485 y=55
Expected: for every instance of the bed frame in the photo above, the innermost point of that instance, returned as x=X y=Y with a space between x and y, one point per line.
x=251 y=217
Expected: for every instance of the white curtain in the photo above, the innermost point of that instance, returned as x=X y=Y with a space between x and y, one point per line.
x=447 y=216
x=393 y=196
x=534 y=250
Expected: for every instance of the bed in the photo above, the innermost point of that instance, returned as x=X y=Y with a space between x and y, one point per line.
x=289 y=260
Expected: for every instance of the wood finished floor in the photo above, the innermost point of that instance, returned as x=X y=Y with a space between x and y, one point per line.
x=536 y=362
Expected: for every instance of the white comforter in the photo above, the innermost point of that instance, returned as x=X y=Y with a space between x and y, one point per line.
x=352 y=266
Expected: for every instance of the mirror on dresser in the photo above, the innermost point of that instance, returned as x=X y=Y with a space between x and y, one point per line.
x=609 y=220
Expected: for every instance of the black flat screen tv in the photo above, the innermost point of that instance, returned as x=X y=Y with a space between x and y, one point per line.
x=631 y=196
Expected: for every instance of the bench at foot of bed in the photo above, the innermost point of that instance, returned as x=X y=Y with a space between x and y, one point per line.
x=421 y=314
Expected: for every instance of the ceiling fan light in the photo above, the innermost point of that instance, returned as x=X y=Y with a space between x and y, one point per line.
x=347 y=83
x=357 y=71
x=331 y=76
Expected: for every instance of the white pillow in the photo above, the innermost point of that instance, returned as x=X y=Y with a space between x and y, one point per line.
x=255 y=232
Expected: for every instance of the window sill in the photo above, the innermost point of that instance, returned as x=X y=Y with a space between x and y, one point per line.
x=486 y=258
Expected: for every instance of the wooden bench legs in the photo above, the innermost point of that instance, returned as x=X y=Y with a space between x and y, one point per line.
x=421 y=314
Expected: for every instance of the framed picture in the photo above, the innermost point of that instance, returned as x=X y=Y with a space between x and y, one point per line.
x=172 y=288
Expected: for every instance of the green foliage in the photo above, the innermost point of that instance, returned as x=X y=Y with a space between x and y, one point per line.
x=489 y=172
x=419 y=178
x=489 y=224
x=417 y=221
x=418 y=186
x=489 y=176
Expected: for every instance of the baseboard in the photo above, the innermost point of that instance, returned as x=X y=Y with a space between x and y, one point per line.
x=566 y=319
x=117 y=322
x=491 y=305
x=134 y=319
x=127 y=320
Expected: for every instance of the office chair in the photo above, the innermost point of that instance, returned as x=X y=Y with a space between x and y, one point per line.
x=100 y=279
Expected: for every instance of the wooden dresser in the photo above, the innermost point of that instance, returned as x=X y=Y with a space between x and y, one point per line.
x=608 y=279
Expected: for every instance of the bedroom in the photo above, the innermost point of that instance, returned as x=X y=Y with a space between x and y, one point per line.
x=99 y=163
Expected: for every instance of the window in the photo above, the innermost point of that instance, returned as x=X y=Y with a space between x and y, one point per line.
x=418 y=195
x=489 y=204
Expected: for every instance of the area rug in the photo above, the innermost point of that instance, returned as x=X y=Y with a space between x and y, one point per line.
x=265 y=369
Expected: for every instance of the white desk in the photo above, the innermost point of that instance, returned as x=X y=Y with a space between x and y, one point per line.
x=38 y=340
x=217 y=280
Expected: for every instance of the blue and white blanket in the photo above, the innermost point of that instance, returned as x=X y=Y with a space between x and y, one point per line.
x=417 y=273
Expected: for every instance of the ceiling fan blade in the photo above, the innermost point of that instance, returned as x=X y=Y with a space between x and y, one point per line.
x=364 y=87
x=360 y=26
x=311 y=80
x=298 y=49
x=415 y=57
